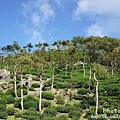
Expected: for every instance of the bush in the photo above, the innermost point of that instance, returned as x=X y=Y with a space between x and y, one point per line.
x=60 y=101
x=31 y=102
x=10 y=111
x=24 y=91
x=75 y=114
x=17 y=103
x=61 y=117
x=31 y=114
x=60 y=85
x=1 y=94
x=10 y=92
x=31 y=89
x=84 y=104
x=48 y=83
x=61 y=109
x=9 y=99
x=79 y=97
x=89 y=113
x=3 y=113
x=45 y=103
x=83 y=91
x=47 y=96
x=68 y=108
x=91 y=101
x=49 y=112
x=35 y=85
x=18 y=115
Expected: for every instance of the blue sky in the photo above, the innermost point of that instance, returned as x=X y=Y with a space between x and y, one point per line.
x=50 y=20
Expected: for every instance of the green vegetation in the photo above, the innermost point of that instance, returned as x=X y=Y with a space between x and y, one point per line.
x=77 y=80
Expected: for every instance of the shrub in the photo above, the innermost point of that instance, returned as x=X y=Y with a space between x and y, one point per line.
x=1 y=94
x=77 y=106
x=48 y=83
x=31 y=114
x=60 y=101
x=100 y=110
x=45 y=103
x=9 y=99
x=68 y=108
x=49 y=112
x=61 y=109
x=84 y=104
x=60 y=85
x=61 y=117
x=18 y=115
x=75 y=114
x=91 y=101
x=31 y=89
x=10 y=111
x=79 y=97
x=89 y=113
x=83 y=91
x=31 y=102
x=47 y=95
x=35 y=85
x=10 y=92
x=3 y=113
x=17 y=103
x=24 y=91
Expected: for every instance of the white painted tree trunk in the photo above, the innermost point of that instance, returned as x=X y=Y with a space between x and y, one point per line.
x=84 y=69
x=40 y=99
x=52 y=82
x=29 y=81
x=96 y=112
x=15 y=85
x=112 y=68
x=66 y=70
x=90 y=75
x=22 y=107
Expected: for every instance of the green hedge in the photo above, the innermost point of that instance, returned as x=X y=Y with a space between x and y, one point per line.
x=47 y=95
x=49 y=112
x=83 y=91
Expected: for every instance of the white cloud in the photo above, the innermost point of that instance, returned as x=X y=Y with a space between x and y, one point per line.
x=37 y=14
x=103 y=14
x=47 y=11
x=35 y=18
x=36 y=37
x=94 y=30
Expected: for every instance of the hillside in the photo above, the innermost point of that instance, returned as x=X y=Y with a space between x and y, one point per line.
x=71 y=83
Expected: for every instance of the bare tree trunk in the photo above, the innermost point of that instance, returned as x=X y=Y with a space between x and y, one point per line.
x=66 y=70
x=96 y=95
x=52 y=82
x=84 y=68
x=22 y=107
x=29 y=81
x=15 y=85
x=40 y=99
x=112 y=68
x=90 y=76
